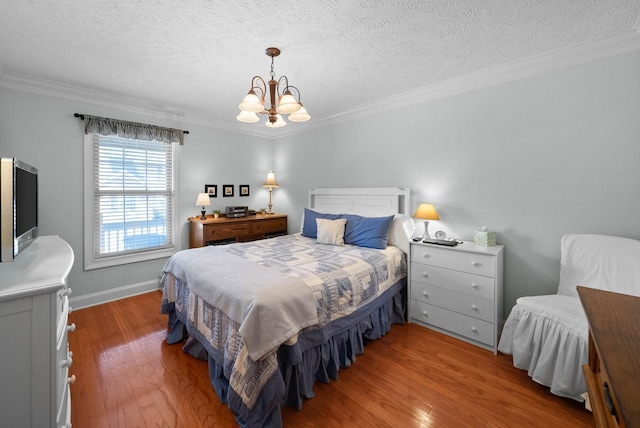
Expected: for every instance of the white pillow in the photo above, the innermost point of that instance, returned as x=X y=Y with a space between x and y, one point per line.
x=331 y=232
x=401 y=231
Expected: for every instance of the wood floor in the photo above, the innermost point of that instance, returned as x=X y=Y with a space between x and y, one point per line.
x=127 y=376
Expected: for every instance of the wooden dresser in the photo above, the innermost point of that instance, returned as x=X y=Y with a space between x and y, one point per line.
x=613 y=373
x=224 y=230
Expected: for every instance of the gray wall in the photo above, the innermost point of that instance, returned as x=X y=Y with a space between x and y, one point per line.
x=532 y=159
x=42 y=131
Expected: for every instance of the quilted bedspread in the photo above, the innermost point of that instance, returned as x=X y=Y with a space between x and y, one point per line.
x=341 y=280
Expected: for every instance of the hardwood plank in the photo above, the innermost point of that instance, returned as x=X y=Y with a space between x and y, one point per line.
x=127 y=376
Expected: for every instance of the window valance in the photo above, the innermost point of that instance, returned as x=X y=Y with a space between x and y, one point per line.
x=134 y=130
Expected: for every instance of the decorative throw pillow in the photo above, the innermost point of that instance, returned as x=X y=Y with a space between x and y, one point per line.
x=331 y=232
x=309 y=227
x=370 y=232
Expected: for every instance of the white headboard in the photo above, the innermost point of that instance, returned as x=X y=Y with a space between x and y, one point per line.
x=364 y=201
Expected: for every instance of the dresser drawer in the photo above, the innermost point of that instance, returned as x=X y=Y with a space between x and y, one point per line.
x=481 y=264
x=463 y=282
x=469 y=327
x=267 y=226
x=466 y=304
x=226 y=231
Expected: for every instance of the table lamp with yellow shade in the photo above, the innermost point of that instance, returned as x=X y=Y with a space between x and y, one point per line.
x=426 y=212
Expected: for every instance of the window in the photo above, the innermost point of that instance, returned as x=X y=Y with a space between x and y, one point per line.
x=130 y=202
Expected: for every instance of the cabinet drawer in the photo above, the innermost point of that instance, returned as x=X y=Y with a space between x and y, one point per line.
x=226 y=231
x=275 y=225
x=481 y=264
x=472 y=328
x=63 y=362
x=466 y=304
x=463 y=282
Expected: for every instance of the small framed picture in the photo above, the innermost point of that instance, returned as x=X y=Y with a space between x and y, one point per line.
x=227 y=190
x=244 y=190
x=211 y=190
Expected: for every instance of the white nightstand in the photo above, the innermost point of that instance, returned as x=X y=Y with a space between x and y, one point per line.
x=457 y=290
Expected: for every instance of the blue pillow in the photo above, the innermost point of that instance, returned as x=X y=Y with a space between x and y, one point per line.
x=370 y=232
x=309 y=226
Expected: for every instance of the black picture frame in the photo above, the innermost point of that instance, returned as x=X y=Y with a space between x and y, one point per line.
x=211 y=190
x=243 y=190
x=227 y=190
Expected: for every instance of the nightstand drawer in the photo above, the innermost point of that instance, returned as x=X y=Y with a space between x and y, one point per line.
x=226 y=231
x=472 y=328
x=466 y=304
x=481 y=264
x=462 y=282
x=267 y=226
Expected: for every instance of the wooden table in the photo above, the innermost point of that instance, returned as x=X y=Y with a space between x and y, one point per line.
x=225 y=230
x=613 y=372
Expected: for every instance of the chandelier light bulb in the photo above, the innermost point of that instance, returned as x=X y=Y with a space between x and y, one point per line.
x=287 y=104
x=299 y=116
x=278 y=123
x=251 y=103
x=247 y=117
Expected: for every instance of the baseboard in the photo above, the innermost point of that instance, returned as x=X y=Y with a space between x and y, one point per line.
x=93 y=299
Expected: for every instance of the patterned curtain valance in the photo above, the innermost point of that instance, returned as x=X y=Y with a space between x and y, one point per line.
x=134 y=130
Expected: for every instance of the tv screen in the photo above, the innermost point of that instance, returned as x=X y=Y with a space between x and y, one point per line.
x=26 y=200
x=18 y=207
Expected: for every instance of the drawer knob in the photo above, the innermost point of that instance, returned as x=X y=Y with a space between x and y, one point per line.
x=425 y=255
x=426 y=275
x=474 y=329
x=425 y=294
x=476 y=264
x=474 y=307
x=71 y=327
x=66 y=363
x=425 y=313
x=474 y=285
x=71 y=380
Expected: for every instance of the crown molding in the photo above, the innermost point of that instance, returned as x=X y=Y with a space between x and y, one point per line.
x=617 y=44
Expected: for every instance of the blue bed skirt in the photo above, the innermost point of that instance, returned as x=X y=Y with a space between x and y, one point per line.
x=318 y=354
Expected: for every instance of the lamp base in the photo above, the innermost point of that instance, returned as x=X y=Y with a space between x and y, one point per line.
x=204 y=217
x=425 y=235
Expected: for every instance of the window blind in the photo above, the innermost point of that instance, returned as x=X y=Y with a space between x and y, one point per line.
x=133 y=196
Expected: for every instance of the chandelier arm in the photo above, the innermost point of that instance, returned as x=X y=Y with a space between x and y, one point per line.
x=258 y=83
x=295 y=92
x=282 y=89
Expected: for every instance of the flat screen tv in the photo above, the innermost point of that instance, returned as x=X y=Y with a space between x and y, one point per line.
x=18 y=207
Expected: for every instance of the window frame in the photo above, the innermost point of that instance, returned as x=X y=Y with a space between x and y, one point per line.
x=90 y=261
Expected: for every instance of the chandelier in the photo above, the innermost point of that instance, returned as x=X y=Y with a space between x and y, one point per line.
x=281 y=95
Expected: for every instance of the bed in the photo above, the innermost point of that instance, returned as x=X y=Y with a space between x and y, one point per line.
x=271 y=317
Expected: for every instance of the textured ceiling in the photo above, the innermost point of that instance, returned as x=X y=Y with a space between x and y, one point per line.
x=195 y=58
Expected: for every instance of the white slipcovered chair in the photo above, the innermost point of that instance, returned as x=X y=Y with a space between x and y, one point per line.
x=548 y=335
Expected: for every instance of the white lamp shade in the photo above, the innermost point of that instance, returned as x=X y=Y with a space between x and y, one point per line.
x=300 y=115
x=278 y=123
x=287 y=104
x=203 y=200
x=251 y=103
x=271 y=180
x=247 y=117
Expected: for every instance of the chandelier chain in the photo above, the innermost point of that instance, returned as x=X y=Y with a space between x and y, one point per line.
x=273 y=74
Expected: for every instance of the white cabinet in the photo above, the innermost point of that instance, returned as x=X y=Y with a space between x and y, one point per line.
x=34 y=351
x=457 y=290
